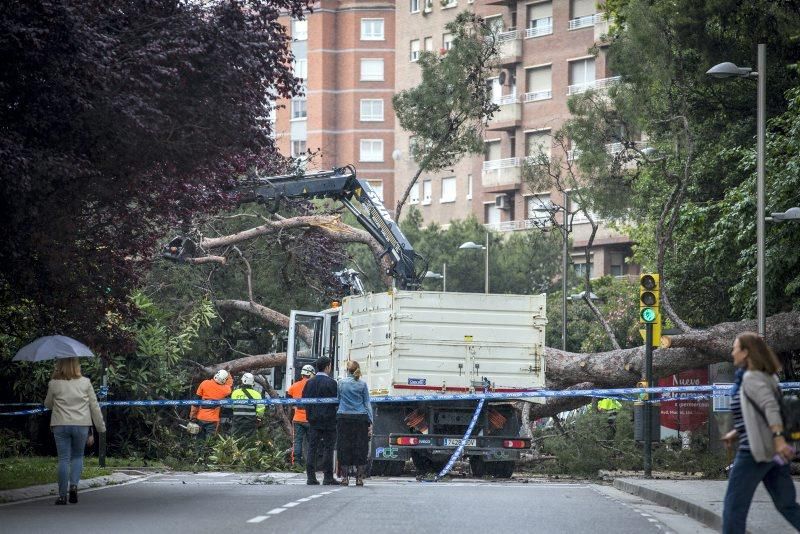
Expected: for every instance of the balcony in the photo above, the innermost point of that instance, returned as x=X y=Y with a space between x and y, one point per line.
x=501 y=172
x=601 y=27
x=539 y=30
x=537 y=95
x=509 y=46
x=585 y=21
x=509 y=114
x=594 y=85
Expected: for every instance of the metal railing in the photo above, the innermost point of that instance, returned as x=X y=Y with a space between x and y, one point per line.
x=602 y=83
x=585 y=21
x=537 y=95
x=505 y=163
x=538 y=31
x=510 y=35
x=506 y=99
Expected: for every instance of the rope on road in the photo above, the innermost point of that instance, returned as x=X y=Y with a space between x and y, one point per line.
x=706 y=391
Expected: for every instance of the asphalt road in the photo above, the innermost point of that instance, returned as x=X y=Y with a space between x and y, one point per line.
x=230 y=503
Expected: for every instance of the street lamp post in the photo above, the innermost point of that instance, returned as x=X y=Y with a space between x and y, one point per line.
x=438 y=276
x=475 y=246
x=729 y=70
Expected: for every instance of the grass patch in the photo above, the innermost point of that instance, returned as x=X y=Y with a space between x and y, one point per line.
x=21 y=472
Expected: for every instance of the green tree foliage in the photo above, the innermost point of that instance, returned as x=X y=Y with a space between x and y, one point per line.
x=447 y=111
x=119 y=118
x=702 y=133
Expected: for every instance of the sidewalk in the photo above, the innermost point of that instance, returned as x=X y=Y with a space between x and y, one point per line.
x=43 y=490
x=702 y=500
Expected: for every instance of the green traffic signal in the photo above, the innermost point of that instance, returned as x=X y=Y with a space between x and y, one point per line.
x=648 y=315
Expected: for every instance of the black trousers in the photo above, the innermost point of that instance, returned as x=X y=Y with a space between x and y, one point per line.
x=323 y=439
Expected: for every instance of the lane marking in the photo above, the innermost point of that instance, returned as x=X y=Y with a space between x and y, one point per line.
x=317 y=496
x=258 y=519
x=291 y=504
x=276 y=511
x=304 y=499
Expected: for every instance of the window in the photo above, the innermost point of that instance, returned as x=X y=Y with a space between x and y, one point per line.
x=446 y=4
x=493 y=214
x=413 y=195
x=298 y=148
x=469 y=187
x=617 y=264
x=580 y=269
x=538 y=83
x=495 y=24
x=429 y=44
x=300 y=30
x=426 y=191
x=535 y=205
x=581 y=8
x=581 y=72
x=447 y=41
x=539 y=19
x=377 y=186
x=537 y=143
x=301 y=69
x=371 y=109
x=372 y=29
x=371 y=150
x=415 y=50
x=299 y=110
x=492 y=150
x=372 y=70
x=414 y=6
x=448 y=189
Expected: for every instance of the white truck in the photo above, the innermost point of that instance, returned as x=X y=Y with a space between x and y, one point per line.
x=427 y=343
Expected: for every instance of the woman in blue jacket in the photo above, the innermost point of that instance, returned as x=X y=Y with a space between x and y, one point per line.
x=353 y=424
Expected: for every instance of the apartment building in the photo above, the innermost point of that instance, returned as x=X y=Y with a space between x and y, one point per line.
x=544 y=59
x=345 y=52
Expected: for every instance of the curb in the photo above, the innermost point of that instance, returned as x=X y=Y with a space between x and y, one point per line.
x=694 y=511
x=45 y=490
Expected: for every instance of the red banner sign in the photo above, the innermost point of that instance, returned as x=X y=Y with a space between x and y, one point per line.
x=684 y=414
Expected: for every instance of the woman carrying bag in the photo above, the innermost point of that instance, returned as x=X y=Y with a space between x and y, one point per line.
x=353 y=424
x=763 y=454
x=74 y=404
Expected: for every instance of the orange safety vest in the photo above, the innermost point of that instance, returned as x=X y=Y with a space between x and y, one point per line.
x=295 y=391
x=210 y=390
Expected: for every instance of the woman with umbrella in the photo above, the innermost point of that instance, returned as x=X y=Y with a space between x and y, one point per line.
x=74 y=404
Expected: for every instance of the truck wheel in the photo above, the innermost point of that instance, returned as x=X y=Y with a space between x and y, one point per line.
x=477 y=466
x=502 y=469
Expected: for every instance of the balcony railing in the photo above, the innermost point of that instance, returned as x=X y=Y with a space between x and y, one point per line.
x=511 y=226
x=539 y=30
x=616 y=148
x=594 y=84
x=585 y=21
x=506 y=99
x=505 y=163
x=509 y=44
x=509 y=35
x=537 y=95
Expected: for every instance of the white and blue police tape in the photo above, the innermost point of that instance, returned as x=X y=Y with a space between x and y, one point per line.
x=712 y=390
x=460 y=449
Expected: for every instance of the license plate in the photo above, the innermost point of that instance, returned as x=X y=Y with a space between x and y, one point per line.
x=455 y=442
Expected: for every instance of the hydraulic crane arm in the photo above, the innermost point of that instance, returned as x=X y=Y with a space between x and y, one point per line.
x=407 y=267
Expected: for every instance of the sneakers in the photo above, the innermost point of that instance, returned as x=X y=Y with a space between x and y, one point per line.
x=61 y=501
x=73 y=494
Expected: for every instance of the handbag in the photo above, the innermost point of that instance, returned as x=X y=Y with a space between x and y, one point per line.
x=789 y=404
x=90 y=438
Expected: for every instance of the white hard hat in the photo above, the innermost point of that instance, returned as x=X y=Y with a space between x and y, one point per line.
x=307 y=370
x=221 y=377
x=248 y=379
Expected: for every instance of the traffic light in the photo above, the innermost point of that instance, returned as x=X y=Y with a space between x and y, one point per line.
x=650 y=304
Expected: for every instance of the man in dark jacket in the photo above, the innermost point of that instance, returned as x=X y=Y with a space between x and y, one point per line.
x=321 y=422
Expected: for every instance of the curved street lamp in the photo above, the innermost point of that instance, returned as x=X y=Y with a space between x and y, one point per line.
x=474 y=246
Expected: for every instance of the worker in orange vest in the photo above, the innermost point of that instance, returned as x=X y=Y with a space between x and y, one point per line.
x=300 y=421
x=207 y=417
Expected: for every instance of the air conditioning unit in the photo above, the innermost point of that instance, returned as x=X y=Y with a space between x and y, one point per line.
x=502 y=202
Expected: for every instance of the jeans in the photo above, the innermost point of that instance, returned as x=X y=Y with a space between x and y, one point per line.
x=300 y=435
x=70 y=442
x=325 y=439
x=744 y=478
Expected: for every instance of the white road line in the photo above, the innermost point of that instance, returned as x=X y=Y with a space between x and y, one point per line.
x=291 y=504
x=317 y=496
x=304 y=499
x=276 y=511
x=258 y=519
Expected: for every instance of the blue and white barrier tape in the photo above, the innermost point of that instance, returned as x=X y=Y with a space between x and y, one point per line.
x=460 y=449
x=714 y=390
